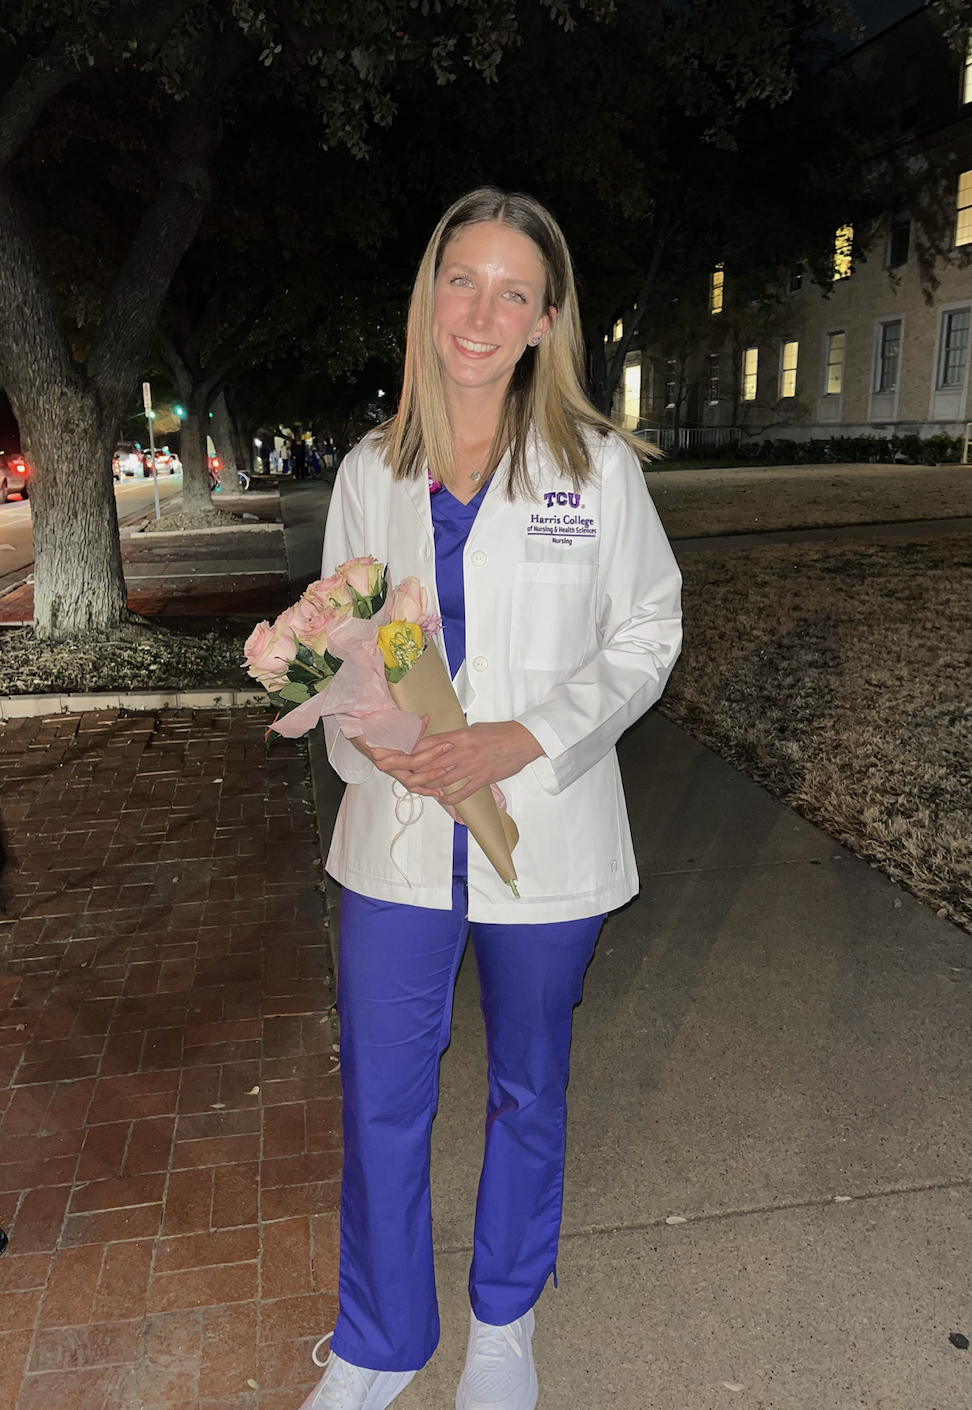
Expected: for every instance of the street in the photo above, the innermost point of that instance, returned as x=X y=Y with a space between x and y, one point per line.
x=134 y=497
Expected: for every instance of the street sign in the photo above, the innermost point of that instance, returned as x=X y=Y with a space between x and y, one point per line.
x=146 y=395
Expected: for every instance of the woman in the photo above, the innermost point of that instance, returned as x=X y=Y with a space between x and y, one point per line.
x=526 y=515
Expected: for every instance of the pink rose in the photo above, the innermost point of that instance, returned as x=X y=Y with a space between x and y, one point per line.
x=409 y=601
x=364 y=575
x=331 y=592
x=312 y=622
x=269 y=650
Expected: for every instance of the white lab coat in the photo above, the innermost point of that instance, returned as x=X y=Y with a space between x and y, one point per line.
x=573 y=624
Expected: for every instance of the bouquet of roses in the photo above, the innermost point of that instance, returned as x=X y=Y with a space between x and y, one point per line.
x=350 y=649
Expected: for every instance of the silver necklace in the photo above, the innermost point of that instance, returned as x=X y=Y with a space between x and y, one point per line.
x=476 y=475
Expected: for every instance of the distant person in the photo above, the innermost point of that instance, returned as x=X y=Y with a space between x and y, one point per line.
x=314 y=463
x=329 y=453
x=265 y=452
x=285 y=458
x=298 y=459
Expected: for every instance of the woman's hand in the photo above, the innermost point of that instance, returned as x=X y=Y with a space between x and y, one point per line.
x=480 y=755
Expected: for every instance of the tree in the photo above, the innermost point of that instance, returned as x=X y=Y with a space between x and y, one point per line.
x=185 y=63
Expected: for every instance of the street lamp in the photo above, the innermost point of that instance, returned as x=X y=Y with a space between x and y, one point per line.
x=179 y=411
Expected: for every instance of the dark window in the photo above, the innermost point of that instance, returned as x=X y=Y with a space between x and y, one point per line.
x=955 y=348
x=670 y=384
x=713 y=377
x=899 y=239
x=796 y=278
x=908 y=109
x=889 y=352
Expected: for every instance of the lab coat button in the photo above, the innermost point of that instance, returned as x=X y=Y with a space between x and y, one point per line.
x=480 y=663
x=478 y=559
x=425 y=552
x=614 y=866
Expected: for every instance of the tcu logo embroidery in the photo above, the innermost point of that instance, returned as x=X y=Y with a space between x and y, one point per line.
x=563 y=529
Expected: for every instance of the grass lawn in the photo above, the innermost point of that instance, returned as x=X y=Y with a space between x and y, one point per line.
x=841 y=678
x=698 y=503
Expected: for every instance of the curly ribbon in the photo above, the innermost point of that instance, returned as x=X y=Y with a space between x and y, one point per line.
x=414 y=813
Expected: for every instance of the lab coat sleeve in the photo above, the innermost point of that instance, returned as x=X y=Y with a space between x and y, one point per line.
x=639 y=622
x=343 y=539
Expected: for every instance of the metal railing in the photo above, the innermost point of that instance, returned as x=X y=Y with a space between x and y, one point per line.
x=688 y=438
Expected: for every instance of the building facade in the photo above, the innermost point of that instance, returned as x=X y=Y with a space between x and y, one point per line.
x=883 y=350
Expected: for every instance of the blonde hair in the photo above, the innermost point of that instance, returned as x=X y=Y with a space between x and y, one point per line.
x=545 y=400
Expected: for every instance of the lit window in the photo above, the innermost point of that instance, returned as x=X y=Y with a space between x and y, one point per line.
x=835 y=364
x=967 y=75
x=963 y=211
x=617 y=332
x=750 y=368
x=843 y=245
x=889 y=357
x=788 y=369
x=670 y=384
x=713 y=378
x=955 y=348
x=632 y=396
x=716 y=281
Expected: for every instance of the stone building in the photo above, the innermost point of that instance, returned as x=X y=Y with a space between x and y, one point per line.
x=884 y=349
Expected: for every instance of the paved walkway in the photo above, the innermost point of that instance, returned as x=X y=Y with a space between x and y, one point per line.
x=773 y=1053
x=169 y=1133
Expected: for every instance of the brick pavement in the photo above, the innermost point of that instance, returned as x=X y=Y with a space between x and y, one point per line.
x=169 y=1121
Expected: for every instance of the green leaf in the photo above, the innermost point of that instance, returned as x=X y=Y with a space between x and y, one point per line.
x=296 y=692
x=395 y=673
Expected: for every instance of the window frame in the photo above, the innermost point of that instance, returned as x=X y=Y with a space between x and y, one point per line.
x=878 y=388
x=717 y=290
x=947 y=315
x=963 y=210
x=788 y=372
x=837 y=391
x=966 y=76
x=747 y=374
x=715 y=377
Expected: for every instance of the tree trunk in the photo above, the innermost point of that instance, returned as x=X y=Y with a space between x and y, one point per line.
x=600 y=395
x=240 y=435
x=196 y=494
x=79 y=585
x=222 y=434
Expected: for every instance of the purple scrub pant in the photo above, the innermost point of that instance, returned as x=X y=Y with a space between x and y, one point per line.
x=398 y=968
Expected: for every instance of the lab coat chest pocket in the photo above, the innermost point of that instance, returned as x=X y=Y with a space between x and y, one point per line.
x=553 y=615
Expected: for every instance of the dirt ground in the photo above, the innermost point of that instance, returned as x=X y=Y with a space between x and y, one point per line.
x=841 y=678
x=698 y=503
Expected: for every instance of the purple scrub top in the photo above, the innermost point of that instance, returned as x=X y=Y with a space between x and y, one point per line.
x=451 y=523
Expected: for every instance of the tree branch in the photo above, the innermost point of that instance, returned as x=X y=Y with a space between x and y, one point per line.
x=644 y=293
x=167 y=229
x=43 y=77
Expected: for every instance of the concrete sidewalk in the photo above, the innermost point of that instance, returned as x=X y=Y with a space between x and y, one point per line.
x=773 y=1048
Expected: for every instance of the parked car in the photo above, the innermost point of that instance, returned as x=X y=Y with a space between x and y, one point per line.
x=129 y=460
x=14 y=474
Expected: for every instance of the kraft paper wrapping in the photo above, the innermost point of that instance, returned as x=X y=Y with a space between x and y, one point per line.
x=427 y=690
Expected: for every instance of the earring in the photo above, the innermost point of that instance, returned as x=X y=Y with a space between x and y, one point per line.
x=534 y=342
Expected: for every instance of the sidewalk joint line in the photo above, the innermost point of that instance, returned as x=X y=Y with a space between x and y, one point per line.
x=821 y=1202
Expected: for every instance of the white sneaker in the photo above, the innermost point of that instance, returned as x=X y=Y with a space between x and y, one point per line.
x=347 y=1387
x=499 y=1373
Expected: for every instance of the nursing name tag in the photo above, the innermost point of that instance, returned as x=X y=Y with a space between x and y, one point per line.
x=562 y=520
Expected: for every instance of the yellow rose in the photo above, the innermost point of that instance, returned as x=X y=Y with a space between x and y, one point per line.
x=401 y=644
